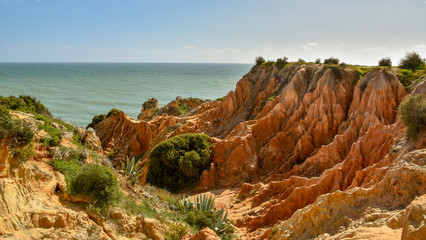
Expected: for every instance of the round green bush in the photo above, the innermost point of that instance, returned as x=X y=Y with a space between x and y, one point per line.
x=413 y=114
x=177 y=163
x=97 y=119
x=97 y=182
x=113 y=112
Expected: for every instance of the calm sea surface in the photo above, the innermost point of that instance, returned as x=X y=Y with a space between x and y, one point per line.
x=76 y=92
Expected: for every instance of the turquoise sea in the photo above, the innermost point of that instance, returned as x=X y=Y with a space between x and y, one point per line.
x=76 y=92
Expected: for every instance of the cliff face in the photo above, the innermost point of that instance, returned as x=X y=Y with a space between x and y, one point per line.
x=297 y=142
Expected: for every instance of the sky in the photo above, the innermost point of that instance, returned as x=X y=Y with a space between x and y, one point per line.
x=220 y=31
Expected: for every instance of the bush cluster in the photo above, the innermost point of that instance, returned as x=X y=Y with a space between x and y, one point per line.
x=178 y=162
x=25 y=104
x=92 y=180
x=385 y=62
x=11 y=130
x=412 y=60
x=202 y=213
x=97 y=119
x=113 y=112
x=413 y=114
x=331 y=60
x=99 y=183
x=281 y=62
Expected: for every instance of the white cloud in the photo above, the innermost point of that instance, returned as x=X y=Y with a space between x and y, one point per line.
x=225 y=50
x=189 y=47
x=308 y=46
x=230 y=50
x=370 y=49
x=420 y=47
x=269 y=50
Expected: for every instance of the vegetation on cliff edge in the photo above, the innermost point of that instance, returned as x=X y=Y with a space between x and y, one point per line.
x=413 y=115
x=177 y=163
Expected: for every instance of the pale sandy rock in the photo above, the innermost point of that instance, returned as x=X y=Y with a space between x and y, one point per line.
x=415 y=220
x=91 y=140
x=4 y=160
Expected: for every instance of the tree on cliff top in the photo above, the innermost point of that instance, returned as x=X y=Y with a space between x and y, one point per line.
x=385 y=62
x=412 y=60
x=178 y=162
x=259 y=61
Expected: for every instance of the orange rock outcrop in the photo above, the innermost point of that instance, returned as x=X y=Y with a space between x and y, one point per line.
x=306 y=143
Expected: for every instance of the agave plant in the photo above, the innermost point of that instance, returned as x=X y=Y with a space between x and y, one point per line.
x=187 y=203
x=221 y=222
x=205 y=203
x=132 y=168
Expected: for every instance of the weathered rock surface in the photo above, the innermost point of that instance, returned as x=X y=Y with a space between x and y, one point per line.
x=205 y=234
x=89 y=138
x=299 y=141
x=148 y=109
x=29 y=208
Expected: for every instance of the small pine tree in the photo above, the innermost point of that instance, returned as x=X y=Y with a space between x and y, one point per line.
x=385 y=62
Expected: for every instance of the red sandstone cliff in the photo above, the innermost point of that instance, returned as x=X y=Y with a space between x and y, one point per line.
x=302 y=138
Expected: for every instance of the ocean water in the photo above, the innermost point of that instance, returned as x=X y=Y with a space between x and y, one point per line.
x=76 y=92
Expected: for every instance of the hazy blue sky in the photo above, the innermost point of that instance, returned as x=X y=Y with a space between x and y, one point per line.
x=356 y=31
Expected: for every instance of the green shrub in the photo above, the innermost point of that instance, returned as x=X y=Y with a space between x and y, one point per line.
x=331 y=60
x=412 y=60
x=113 y=112
x=199 y=219
x=318 y=60
x=24 y=153
x=413 y=114
x=176 y=232
x=70 y=168
x=51 y=141
x=385 y=62
x=406 y=77
x=182 y=109
x=220 y=99
x=25 y=104
x=53 y=132
x=281 y=62
x=202 y=213
x=360 y=73
x=178 y=162
x=99 y=183
x=11 y=130
x=133 y=208
x=259 y=61
x=300 y=61
x=96 y=119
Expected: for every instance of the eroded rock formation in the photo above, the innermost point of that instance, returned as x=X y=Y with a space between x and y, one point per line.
x=307 y=145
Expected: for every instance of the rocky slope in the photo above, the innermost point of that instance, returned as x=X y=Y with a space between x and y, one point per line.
x=310 y=151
